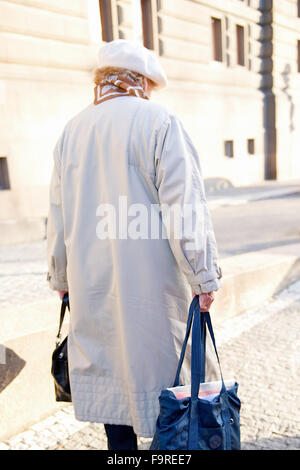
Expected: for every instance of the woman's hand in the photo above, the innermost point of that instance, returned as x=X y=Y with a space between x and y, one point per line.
x=205 y=301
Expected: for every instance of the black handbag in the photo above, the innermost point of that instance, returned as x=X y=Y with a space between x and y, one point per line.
x=59 y=368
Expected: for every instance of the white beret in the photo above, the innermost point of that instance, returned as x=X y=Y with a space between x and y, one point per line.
x=133 y=56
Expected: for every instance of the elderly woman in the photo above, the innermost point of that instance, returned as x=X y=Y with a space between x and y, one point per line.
x=118 y=166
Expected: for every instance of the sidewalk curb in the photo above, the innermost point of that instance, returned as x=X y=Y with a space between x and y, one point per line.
x=25 y=230
x=236 y=200
x=252 y=278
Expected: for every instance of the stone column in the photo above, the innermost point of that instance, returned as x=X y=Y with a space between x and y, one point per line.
x=266 y=86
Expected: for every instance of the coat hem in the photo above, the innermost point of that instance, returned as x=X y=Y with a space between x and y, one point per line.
x=122 y=422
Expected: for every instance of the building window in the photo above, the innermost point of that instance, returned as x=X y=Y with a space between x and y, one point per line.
x=240 y=44
x=106 y=18
x=217 y=39
x=4 y=178
x=228 y=148
x=251 y=146
x=149 y=17
x=94 y=21
x=298 y=54
x=137 y=20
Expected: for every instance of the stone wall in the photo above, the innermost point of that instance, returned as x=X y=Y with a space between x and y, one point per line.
x=286 y=33
x=46 y=60
x=217 y=101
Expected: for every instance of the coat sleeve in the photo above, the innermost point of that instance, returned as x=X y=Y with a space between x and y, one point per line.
x=56 y=250
x=180 y=188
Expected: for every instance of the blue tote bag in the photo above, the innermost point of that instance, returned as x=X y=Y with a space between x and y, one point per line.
x=200 y=420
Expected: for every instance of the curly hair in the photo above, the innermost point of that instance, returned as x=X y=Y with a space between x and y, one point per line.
x=123 y=74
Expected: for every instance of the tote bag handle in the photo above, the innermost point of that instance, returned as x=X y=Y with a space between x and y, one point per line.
x=199 y=320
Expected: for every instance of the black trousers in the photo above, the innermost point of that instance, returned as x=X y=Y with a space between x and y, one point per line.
x=120 y=437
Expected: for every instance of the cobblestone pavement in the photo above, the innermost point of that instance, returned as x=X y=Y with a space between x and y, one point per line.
x=259 y=348
x=23 y=270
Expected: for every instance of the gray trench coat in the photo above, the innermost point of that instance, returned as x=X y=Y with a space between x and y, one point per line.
x=129 y=295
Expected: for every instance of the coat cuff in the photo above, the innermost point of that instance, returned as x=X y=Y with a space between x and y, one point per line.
x=210 y=286
x=57 y=285
x=207 y=281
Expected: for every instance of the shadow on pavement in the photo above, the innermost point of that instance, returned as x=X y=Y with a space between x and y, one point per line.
x=12 y=366
x=292 y=276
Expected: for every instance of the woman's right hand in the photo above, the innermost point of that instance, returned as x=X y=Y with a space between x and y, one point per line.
x=205 y=301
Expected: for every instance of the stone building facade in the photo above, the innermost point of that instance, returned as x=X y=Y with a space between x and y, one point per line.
x=234 y=76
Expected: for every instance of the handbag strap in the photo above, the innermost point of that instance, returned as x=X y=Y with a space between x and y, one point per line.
x=187 y=334
x=198 y=353
x=211 y=332
x=198 y=348
x=64 y=305
x=199 y=320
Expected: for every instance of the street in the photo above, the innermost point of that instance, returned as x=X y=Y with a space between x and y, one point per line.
x=257 y=225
